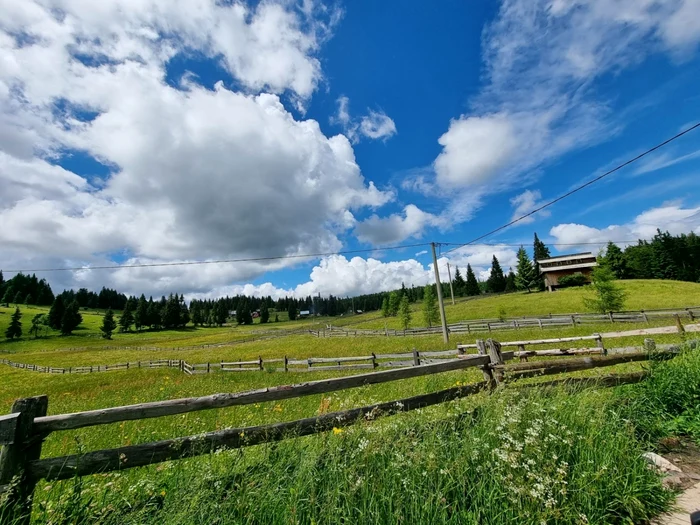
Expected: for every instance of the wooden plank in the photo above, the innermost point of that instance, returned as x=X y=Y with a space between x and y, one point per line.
x=558 y=352
x=314 y=360
x=147 y=454
x=550 y=341
x=395 y=356
x=8 y=428
x=278 y=393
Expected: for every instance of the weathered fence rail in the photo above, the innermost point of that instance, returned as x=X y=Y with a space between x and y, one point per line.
x=23 y=431
x=548 y=321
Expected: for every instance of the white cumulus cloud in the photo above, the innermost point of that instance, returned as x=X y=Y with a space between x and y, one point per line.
x=375 y=125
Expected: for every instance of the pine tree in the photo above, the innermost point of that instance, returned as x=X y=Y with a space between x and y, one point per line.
x=220 y=313
x=607 y=296
x=525 y=278
x=292 y=311
x=28 y=300
x=71 y=318
x=496 y=282
x=126 y=319
x=56 y=313
x=459 y=284
x=430 y=311
x=615 y=260
x=38 y=322
x=171 y=313
x=405 y=312
x=264 y=314
x=510 y=282
x=18 y=298
x=539 y=252
x=15 y=328
x=472 y=286
x=153 y=315
x=141 y=313
x=385 y=307
x=394 y=300
x=7 y=297
x=108 y=324
x=184 y=312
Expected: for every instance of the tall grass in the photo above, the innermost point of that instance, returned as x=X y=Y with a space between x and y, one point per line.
x=547 y=456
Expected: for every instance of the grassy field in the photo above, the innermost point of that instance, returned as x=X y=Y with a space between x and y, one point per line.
x=411 y=468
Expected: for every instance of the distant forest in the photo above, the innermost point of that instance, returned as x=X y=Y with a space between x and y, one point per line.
x=664 y=257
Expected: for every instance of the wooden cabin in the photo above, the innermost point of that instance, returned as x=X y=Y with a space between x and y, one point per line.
x=554 y=268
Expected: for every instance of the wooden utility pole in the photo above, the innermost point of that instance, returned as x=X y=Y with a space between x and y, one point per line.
x=445 y=333
x=452 y=290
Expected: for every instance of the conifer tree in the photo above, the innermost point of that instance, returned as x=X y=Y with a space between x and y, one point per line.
x=525 y=278
x=607 y=296
x=496 y=282
x=385 y=307
x=405 y=312
x=430 y=311
x=56 y=313
x=108 y=325
x=126 y=319
x=292 y=311
x=539 y=252
x=459 y=284
x=38 y=322
x=8 y=295
x=15 y=328
x=510 y=282
x=394 y=300
x=141 y=313
x=472 y=287
x=71 y=318
x=18 y=298
x=264 y=314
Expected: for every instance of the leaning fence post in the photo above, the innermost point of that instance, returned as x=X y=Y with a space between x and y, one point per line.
x=416 y=357
x=286 y=364
x=679 y=324
x=260 y=362
x=496 y=358
x=14 y=457
x=488 y=374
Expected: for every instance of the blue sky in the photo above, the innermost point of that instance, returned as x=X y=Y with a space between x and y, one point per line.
x=155 y=131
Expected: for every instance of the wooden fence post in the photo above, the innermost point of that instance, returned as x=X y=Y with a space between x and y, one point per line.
x=573 y=321
x=260 y=363
x=374 y=360
x=679 y=324
x=644 y=316
x=539 y=322
x=460 y=351
x=649 y=345
x=599 y=342
x=208 y=367
x=523 y=358
x=14 y=457
x=690 y=314
x=416 y=357
x=610 y=315
x=286 y=364
x=488 y=374
x=494 y=348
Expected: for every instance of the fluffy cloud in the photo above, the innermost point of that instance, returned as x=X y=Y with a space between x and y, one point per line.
x=194 y=173
x=396 y=228
x=375 y=125
x=671 y=217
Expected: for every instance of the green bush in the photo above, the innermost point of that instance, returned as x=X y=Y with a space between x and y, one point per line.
x=576 y=279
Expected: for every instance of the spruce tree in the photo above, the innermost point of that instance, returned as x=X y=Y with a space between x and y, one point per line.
x=126 y=319
x=292 y=311
x=184 y=312
x=171 y=312
x=141 y=313
x=405 y=312
x=71 y=318
x=28 y=300
x=496 y=282
x=15 y=328
x=385 y=307
x=525 y=278
x=18 y=298
x=7 y=296
x=615 y=260
x=220 y=313
x=430 y=310
x=56 y=313
x=606 y=296
x=459 y=284
x=264 y=314
x=510 y=282
x=153 y=315
x=394 y=300
x=539 y=252
x=38 y=322
x=472 y=286
x=108 y=324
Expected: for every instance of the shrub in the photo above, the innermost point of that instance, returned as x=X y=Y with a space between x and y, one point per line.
x=576 y=279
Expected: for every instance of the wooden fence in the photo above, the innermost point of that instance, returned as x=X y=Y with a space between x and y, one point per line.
x=317 y=364
x=549 y=321
x=27 y=426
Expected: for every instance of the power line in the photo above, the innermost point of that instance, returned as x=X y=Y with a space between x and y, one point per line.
x=220 y=261
x=579 y=188
x=545 y=243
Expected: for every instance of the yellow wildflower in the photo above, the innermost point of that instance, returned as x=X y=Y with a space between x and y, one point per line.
x=337 y=430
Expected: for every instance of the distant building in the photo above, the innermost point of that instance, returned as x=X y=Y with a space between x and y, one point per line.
x=555 y=268
x=304 y=313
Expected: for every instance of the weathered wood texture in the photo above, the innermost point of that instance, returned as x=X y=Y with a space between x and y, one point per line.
x=181 y=406
x=8 y=428
x=149 y=453
x=13 y=458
